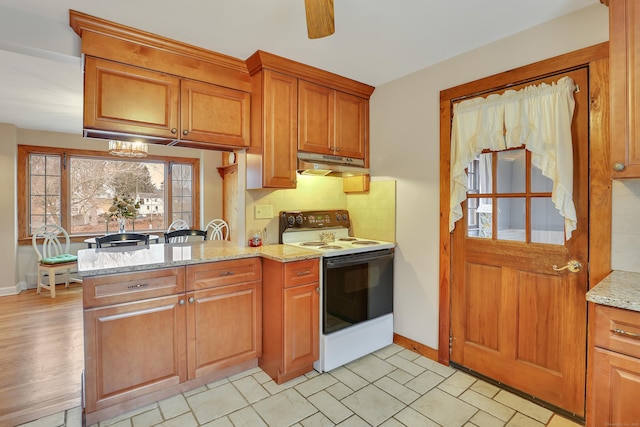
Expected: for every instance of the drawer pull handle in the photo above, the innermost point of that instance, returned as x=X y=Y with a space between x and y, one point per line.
x=227 y=273
x=303 y=273
x=138 y=286
x=626 y=334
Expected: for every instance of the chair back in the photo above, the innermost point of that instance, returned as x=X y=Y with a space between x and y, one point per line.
x=181 y=236
x=55 y=241
x=122 y=239
x=178 y=224
x=218 y=229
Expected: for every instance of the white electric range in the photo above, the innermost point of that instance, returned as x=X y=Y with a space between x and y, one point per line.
x=356 y=302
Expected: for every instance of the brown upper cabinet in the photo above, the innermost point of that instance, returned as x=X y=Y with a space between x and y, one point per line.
x=299 y=107
x=142 y=84
x=122 y=99
x=332 y=122
x=271 y=163
x=624 y=74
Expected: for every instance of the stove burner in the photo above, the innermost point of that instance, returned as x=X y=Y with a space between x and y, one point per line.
x=330 y=247
x=312 y=244
x=365 y=242
x=347 y=239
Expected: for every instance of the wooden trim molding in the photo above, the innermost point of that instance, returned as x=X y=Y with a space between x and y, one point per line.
x=421 y=349
x=116 y=42
x=261 y=60
x=594 y=57
x=81 y=22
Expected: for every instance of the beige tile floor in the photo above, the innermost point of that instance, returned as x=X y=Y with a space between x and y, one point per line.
x=391 y=387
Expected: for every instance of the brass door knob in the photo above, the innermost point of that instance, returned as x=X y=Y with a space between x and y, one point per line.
x=573 y=266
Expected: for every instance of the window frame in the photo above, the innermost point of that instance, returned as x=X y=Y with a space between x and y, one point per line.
x=24 y=151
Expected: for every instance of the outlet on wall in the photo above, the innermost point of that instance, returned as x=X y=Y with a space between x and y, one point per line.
x=264 y=212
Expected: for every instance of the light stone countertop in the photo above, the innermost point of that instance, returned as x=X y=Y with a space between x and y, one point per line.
x=96 y=262
x=619 y=289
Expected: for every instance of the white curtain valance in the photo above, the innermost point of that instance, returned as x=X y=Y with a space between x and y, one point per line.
x=538 y=117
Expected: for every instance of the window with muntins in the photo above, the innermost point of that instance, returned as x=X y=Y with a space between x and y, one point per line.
x=75 y=188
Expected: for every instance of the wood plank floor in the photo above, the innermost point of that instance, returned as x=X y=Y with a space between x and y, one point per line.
x=41 y=354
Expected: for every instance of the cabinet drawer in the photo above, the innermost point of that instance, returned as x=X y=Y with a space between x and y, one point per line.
x=618 y=330
x=301 y=272
x=222 y=273
x=126 y=287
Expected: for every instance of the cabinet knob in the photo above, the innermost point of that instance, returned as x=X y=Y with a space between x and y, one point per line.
x=337 y=149
x=618 y=167
x=192 y=300
x=181 y=302
x=318 y=289
x=174 y=131
x=185 y=132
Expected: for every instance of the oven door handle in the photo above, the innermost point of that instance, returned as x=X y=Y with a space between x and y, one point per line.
x=347 y=260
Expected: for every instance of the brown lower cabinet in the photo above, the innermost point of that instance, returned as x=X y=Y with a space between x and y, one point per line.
x=151 y=334
x=616 y=368
x=290 y=318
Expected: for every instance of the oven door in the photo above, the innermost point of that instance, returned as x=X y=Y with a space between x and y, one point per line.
x=356 y=288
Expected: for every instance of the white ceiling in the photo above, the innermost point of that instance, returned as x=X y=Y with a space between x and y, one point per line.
x=376 y=41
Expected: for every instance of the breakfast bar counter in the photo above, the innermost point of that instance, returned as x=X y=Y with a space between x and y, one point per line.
x=94 y=262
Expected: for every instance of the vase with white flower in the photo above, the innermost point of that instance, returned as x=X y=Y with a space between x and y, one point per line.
x=122 y=208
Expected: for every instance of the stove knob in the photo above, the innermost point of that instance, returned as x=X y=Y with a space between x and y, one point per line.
x=299 y=219
x=291 y=220
x=338 y=216
x=344 y=217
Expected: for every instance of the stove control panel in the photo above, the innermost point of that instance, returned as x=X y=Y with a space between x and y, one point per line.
x=314 y=219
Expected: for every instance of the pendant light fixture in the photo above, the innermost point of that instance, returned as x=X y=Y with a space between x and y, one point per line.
x=134 y=149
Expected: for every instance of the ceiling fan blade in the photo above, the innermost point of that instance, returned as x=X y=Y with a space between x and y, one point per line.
x=319 y=18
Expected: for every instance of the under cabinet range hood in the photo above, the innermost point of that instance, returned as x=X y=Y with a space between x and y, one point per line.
x=329 y=165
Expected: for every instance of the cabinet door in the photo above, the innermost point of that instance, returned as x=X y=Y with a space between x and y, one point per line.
x=133 y=349
x=125 y=99
x=301 y=326
x=624 y=57
x=279 y=145
x=351 y=125
x=214 y=115
x=224 y=327
x=616 y=387
x=316 y=118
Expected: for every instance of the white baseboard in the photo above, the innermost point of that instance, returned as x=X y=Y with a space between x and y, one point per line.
x=13 y=290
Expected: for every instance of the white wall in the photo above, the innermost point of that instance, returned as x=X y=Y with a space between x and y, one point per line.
x=8 y=214
x=21 y=259
x=405 y=132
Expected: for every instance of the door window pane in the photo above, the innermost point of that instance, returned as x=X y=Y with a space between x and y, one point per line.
x=512 y=219
x=511 y=171
x=479 y=220
x=539 y=182
x=547 y=225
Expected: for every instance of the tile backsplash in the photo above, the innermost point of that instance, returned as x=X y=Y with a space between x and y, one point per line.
x=372 y=213
x=625 y=236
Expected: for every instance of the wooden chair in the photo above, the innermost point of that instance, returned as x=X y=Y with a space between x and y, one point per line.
x=178 y=224
x=53 y=256
x=181 y=236
x=219 y=229
x=122 y=239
